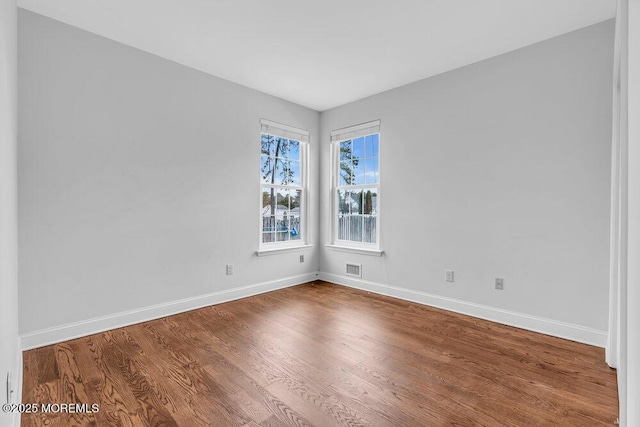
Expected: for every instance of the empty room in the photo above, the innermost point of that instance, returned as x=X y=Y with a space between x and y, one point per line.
x=285 y=213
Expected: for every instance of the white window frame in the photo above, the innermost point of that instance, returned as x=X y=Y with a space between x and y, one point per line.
x=302 y=136
x=338 y=136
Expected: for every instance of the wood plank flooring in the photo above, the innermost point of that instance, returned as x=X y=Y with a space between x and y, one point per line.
x=321 y=355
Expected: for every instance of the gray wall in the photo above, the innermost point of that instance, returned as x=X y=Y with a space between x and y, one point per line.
x=138 y=178
x=9 y=340
x=497 y=169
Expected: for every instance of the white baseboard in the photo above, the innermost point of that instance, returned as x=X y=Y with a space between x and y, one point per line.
x=83 y=328
x=520 y=320
x=100 y=324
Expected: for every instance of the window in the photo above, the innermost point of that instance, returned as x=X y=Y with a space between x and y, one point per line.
x=356 y=159
x=283 y=185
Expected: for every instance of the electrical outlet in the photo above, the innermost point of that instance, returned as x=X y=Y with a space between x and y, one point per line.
x=448 y=274
x=229 y=269
x=301 y=258
x=499 y=283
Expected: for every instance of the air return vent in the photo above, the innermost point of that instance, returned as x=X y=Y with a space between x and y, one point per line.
x=354 y=270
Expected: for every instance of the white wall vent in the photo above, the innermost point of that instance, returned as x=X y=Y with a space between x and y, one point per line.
x=354 y=270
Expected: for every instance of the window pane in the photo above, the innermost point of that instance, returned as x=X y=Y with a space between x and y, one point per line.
x=281 y=147
x=292 y=172
x=371 y=170
x=268 y=237
x=282 y=172
x=281 y=199
x=344 y=207
x=266 y=168
x=369 y=220
x=371 y=145
x=358 y=171
x=268 y=219
x=344 y=173
x=346 y=170
x=345 y=150
x=295 y=200
x=267 y=195
x=266 y=200
x=369 y=229
x=281 y=234
x=294 y=150
x=295 y=211
x=268 y=145
x=282 y=217
x=369 y=201
x=358 y=147
x=355 y=200
x=286 y=172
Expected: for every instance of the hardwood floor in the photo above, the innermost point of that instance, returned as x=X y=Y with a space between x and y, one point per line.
x=321 y=355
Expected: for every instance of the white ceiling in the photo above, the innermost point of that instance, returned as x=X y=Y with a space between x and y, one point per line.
x=326 y=53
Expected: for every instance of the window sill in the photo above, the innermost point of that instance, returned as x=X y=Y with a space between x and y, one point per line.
x=283 y=250
x=353 y=250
